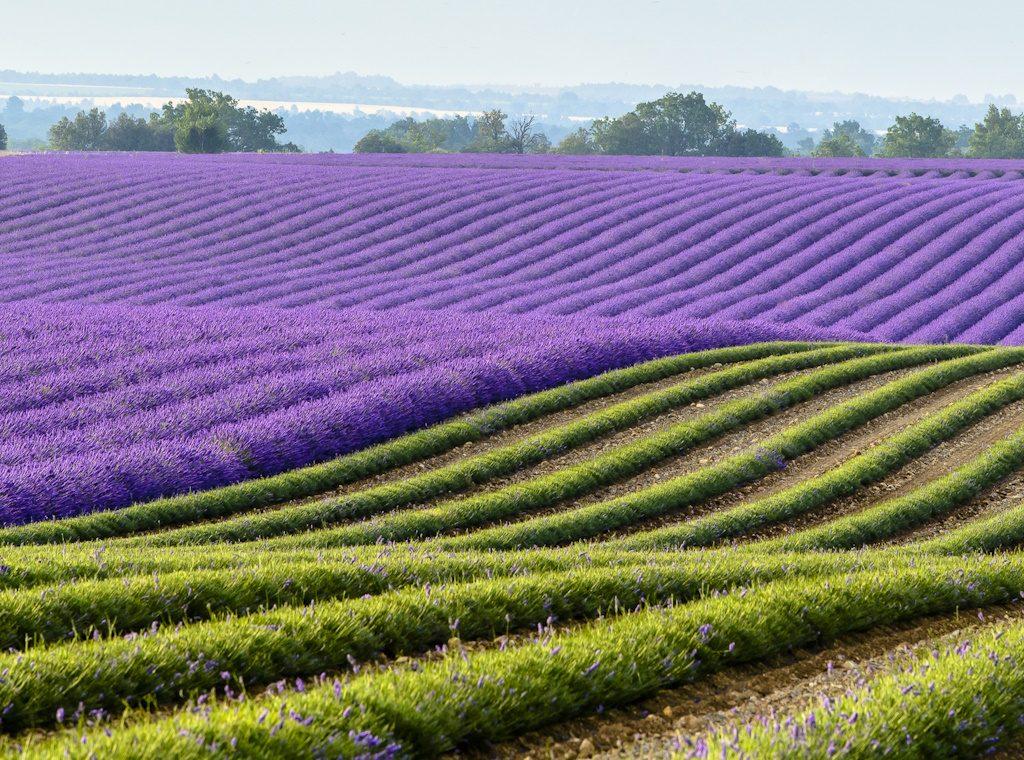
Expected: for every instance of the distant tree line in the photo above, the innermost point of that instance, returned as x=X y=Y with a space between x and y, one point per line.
x=688 y=125
x=3 y=138
x=1000 y=134
x=491 y=132
x=205 y=122
x=674 y=125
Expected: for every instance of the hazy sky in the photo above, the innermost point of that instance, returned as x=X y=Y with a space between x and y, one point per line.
x=920 y=48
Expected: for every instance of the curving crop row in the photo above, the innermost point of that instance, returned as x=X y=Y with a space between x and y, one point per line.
x=492 y=695
x=963 y=701
x=165 y=665
x=920 y=505
x=77 y=608
x=1003 y=530
x=717 y=479
x=860 y=471
x=619 y=463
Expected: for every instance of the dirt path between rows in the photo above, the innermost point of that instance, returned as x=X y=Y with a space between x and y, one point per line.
x=936 y=463
x=673 y=718
x=1005 y=495
x=826 y=457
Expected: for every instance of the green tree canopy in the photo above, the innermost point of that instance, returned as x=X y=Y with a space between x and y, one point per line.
x=379 y=141
x=3 y=138
x=206 y=122
x=87 y=131
x=488 y=133
x=431 y=135
x=749 y=142
x=137 y=134
x=916 y=136
x=199 y=124
x=578 y=143
x=838 y=145
x=999 y=135
x=674 y=125
x=843 y=133
x=213 y=122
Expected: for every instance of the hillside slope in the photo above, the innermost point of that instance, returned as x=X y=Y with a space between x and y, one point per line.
x=346 y=299
x=891 y=255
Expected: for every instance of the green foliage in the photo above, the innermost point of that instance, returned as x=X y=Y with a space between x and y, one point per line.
x=1003 y=530
x=488 y=133
x=750 y=142
x=964 y=700
x=890 y=517
x=578 y=143
x=846 y=138
x=678 y=125
x=136 y=134
x=3 y=138
x=916 y=136
x=756 y=462
x=88 y=131
x=163 y=638
x=213 y=122
x=487 y=695
x=859 y=471
x=379 y=141
x=206 y=122
x=298 y=641
x=411 y=136
x=999 y=135
x=674 y=125
x=838 y=146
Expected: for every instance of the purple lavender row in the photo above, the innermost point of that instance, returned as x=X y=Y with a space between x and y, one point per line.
x=466 y=361
x=559 y=242
x=903 y=167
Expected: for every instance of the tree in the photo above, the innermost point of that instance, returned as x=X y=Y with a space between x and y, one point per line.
x=999 y=135
x=843 y=133
x=3 y=138
x=916 y=136
x=213 y=122
x=88 y=131
x=677 y=125
x=749 y=142
x=490 y=133
x=136 y=134
x=378 y=141
x=578 y=143
x=199 y=126
x=674 y=125
x=838 y=145
x=963 y=139
x=522 y=139
x=206 y=122
x=428 y=136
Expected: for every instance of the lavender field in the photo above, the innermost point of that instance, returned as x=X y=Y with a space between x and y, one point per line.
x=528 y=273
x=510 y=456
x=888 y=256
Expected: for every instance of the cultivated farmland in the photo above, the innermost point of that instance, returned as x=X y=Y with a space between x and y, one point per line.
x=407 y=456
